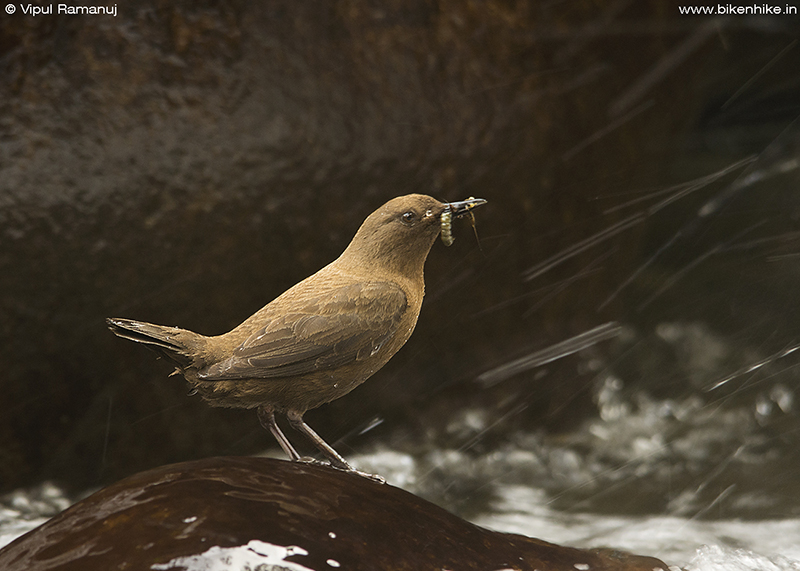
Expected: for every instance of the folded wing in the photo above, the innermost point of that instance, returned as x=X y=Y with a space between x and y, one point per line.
x=348 y=324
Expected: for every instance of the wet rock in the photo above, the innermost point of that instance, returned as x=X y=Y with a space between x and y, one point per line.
x=252 y=511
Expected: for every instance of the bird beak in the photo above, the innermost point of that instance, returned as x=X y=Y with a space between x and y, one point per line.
x=458 y=209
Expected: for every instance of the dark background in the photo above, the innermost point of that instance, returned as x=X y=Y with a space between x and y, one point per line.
x=185 y=162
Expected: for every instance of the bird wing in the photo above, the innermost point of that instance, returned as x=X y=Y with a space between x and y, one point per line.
x=348 y=324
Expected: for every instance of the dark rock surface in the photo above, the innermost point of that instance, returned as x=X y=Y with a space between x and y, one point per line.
x=185 y=515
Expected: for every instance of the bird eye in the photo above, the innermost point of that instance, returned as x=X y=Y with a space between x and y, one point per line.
x=409 y=217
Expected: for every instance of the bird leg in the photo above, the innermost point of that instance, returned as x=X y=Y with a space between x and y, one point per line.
x=336 y=460
x=266 y=416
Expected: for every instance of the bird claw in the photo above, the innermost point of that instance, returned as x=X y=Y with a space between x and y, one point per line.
x=374 y=477
x=346 y=468
x=312 y=461
x=367 y=475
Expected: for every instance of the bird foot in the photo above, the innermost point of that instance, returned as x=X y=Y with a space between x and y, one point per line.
x=344 y=468
x=312 y=461
x=368 y=476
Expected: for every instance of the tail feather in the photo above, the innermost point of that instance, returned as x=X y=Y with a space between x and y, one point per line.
x=179 y=345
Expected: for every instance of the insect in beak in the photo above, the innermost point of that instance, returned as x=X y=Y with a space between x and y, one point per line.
x=458 y=209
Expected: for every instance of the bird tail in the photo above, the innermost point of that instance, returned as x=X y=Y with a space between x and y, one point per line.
x=179 y=345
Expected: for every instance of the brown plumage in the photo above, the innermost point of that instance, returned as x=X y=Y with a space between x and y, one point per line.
x=323 y=337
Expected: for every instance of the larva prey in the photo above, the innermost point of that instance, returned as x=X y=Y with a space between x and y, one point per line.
x=447 y=228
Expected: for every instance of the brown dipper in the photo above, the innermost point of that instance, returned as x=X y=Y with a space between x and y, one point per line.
x=323 y=337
